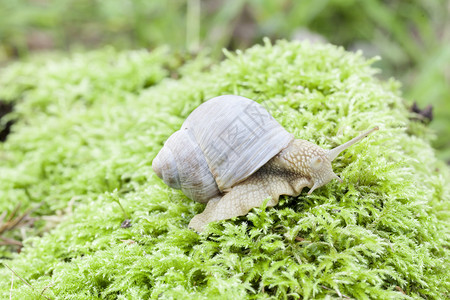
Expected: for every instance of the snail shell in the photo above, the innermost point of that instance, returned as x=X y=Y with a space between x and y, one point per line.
x=221 y=143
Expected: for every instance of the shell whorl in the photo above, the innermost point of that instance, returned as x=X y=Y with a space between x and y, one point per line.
x=221 y=143
x=181 y=165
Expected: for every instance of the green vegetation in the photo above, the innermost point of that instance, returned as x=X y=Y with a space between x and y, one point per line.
x=89 y=126
x=413 y=37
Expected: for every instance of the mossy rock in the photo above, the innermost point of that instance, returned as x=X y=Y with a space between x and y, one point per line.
x=89 y=126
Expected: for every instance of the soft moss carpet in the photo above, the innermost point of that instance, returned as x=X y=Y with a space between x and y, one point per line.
x=89 y=126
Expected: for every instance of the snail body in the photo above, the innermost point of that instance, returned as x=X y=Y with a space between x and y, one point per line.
x=232 y=154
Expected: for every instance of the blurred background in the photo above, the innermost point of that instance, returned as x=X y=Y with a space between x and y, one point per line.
x=411 y=36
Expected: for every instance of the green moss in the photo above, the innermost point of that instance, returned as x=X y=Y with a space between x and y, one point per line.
x=383 y=231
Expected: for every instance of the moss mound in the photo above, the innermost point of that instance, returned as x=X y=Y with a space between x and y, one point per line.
x=89 y=126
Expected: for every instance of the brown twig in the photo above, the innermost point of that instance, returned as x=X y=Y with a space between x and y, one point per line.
x=4 y=241
x=299 y=239
x=15 y=210
x=13 y=222
x=2 y=216
x=5 y=226
x=400 y=289
x=129 y=242
x=24 y=281
x=46 y=287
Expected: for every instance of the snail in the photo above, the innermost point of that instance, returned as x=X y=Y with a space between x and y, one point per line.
x=231 y=154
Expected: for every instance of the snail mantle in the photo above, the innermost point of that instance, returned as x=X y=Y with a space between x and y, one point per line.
x=231 y=154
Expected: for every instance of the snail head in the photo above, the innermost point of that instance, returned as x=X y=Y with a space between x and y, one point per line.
x=321 y=169
x=313 y=162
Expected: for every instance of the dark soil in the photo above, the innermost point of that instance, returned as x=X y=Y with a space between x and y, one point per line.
x=423 y=115
x=5 y=108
